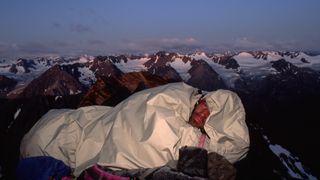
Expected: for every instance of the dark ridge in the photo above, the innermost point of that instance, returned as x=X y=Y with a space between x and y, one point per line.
x=112 y=90
x=230 y=63
x=12 y=130
x=6 y=85
x=53 y=82
x=204 y=77
x=104 y=68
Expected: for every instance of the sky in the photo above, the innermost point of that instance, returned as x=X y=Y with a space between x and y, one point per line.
x=105 y=27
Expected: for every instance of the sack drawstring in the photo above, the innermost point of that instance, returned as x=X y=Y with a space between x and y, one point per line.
x=202 y=140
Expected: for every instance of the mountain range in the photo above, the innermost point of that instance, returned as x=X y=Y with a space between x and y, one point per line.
x=280 y=92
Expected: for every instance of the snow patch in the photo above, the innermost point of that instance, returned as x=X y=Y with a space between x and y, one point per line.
x=87 y=77
x=71 y=92
x=273 y=56
x=57 y=97
x=266 y=138
x=313 y=62
x=250 y=66
x=292 y=163
x=4 y=69
x=246 y=60
x=200 y=55
x=155 y=61
x=85 y=59
x=132 y=65
x=17 y=113
x=20 y=69
x=229 y=76
x=182 y=68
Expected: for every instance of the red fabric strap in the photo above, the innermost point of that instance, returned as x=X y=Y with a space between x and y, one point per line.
x=202 y=140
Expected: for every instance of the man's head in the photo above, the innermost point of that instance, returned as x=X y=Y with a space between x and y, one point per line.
x=199 y=114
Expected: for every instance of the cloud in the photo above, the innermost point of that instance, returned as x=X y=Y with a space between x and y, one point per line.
x=127 y=46
x=176 y=43
x=187 y=45
x=74 y=27
x=24 y=49
x=56 y=25
x=240 y=44
x=95 y=16
x=34 y=49
x=80 y=28
x=97 y=42
x=90 y=14
x=253 y=44
x=63 y=44
x=162 y=44
x=64 y=48
x=5 y=47
x=276 y=45
x=246 y=43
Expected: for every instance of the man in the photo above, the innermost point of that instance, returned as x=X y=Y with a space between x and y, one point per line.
x=199 y=114
x=145 y=130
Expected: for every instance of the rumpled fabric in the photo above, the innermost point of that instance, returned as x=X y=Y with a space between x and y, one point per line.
x=144 y=131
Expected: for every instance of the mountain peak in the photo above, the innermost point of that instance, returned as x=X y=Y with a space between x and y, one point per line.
x=53 y=82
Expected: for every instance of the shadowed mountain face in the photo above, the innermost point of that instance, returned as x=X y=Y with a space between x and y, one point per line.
x=20 y=114
x=289 y=82
x=281 y=110
x=167 y=72
x=293 y=82
x=23 y=64
x=280 y=92
x=204 y=77
x=287 y=122
x=104 y=92
x=6 y=85
x=158 y=65
x=54 y=82
x=115 y=59
x=104 y=67
x=17 y=118
x=230 y=63
x=111 y=90
x=137 y=81
x=160 y=59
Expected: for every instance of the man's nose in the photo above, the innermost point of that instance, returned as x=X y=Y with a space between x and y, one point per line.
x=202 y=114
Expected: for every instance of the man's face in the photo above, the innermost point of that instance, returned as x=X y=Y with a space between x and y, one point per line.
x=199 y=114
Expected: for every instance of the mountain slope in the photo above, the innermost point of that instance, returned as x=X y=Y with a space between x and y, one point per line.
x=6 y=85
x=112 y=90
x=54 y=82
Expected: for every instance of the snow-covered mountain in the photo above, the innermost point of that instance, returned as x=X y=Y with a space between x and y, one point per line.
x=280 y=92
x=228 y=69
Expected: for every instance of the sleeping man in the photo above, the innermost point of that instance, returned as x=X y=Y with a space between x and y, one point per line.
x=145 y=130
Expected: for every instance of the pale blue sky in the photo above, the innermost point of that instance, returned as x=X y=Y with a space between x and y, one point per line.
x=73 y=27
